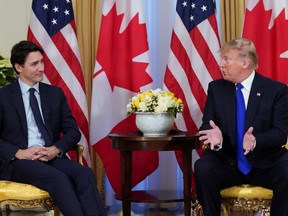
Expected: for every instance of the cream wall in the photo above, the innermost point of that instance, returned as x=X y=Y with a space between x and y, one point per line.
x=14 y=19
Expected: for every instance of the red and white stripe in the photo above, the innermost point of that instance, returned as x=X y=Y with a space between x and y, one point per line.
x=193 y=62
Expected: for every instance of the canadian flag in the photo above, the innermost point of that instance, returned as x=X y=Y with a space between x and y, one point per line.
x=121 y=71
x=266 y=24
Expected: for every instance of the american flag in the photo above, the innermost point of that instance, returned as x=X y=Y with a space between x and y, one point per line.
x=52 y=26
x=193 y=61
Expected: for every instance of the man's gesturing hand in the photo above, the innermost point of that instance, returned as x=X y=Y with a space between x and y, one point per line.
x=249 y=141
x=212 y=137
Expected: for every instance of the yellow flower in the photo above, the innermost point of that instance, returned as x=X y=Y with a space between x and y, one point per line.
x=179 y=101
x=136 y=103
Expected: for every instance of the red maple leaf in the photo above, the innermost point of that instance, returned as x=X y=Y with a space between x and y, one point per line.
x=270 y=43
x=117 y=50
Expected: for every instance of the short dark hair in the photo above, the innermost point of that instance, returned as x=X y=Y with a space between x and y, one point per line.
x=21 y=50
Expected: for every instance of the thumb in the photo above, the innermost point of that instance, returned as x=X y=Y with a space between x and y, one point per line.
x=250 y=130
x=212 y=124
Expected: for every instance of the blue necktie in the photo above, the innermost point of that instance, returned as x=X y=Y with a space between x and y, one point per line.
x=243 y=165
x=38 y=118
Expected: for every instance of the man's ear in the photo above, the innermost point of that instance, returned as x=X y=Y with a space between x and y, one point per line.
x=18 y=67
x=245 y=64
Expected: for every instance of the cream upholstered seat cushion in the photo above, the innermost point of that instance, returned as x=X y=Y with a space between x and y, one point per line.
x=19 y=191
x=247 y=191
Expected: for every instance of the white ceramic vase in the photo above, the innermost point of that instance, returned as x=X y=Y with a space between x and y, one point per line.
x=153 y=125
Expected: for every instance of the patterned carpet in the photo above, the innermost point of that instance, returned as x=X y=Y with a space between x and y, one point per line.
x=150 y=212
x=33 y=213
x=39 y=212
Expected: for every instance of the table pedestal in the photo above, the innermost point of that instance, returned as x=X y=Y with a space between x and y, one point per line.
x=126 y=143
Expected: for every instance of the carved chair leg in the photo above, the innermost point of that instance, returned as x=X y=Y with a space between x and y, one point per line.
x=225 y=210
x=197 y=209
x=7 y=211
x=56 y=211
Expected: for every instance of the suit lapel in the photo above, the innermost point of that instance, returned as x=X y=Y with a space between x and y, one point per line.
x=229 y=107
x=45 y=97
x=255 y=96
x=19 y=106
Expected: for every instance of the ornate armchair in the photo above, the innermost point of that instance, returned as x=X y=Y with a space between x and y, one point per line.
x=28 y=196
x=244 y=198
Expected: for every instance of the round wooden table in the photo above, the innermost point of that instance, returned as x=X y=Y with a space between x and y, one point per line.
x=127 y=142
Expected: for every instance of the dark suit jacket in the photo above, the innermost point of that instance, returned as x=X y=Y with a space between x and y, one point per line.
x=59 y=121
x=267 y=112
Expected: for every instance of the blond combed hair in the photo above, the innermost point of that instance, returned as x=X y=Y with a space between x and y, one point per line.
x=246 y=49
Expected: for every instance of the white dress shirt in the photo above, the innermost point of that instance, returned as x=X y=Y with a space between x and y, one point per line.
x=247 y=84
x=34 y=135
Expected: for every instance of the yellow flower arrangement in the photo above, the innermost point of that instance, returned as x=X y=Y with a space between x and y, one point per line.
x=156 y=101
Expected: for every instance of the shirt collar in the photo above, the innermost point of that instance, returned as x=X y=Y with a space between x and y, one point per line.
x=247 y=83
x=25 y=88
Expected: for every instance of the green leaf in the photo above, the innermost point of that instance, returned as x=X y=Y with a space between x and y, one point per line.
x=7 y=73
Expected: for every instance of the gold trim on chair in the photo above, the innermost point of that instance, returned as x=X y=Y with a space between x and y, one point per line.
x=24 y=196
x=243 y=198
x=28 y=196
x=246 y=198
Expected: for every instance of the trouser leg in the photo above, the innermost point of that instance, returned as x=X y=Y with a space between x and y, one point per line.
x=85 y=186
x=45 y=177
x=275 y=178
x=212 y=173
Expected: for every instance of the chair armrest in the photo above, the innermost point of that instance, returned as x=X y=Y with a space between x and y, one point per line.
x=80 y=150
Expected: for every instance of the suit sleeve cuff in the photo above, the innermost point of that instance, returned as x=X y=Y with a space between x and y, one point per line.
x=60 y=153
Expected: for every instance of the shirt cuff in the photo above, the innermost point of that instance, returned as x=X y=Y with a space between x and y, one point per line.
x=218 y=147
x=252 y=149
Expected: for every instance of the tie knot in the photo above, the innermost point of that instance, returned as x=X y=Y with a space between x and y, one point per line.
x=239 y=86
x=32 y=90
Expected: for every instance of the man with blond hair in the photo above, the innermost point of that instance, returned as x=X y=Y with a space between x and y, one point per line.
x=245 y=125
